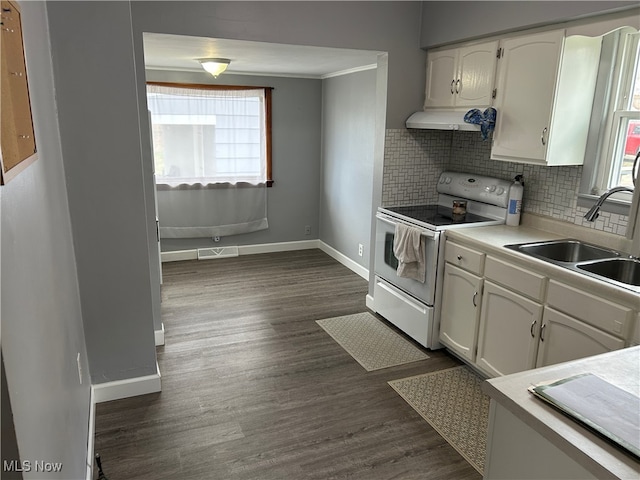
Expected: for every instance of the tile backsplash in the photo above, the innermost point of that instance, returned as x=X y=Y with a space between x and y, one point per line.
x=414 y=160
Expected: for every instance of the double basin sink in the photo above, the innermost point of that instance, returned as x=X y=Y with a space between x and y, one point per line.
x=604 y=264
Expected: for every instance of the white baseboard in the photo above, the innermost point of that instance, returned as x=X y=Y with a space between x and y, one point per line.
x=346 y=261
x=276 y=247
x=159 y=334
x=131 y=387
x=179 y=255
x=91 y=435
x=370 y=303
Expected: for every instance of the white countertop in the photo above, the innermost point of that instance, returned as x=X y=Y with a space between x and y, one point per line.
x=604 y=460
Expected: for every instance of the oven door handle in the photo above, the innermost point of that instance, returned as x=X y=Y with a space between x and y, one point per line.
x=392 y=221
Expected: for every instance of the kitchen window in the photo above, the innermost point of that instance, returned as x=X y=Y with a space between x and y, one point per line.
x=210 y=134
x=616 y=118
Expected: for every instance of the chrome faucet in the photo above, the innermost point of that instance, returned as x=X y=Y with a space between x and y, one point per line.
x=593 y=213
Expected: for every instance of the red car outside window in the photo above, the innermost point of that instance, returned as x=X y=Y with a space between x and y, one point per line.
x=633 y=138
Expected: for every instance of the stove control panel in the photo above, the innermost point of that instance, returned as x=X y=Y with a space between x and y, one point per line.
x=493 y=191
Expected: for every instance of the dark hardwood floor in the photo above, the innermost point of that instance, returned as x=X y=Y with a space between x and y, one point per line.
x=253 y=388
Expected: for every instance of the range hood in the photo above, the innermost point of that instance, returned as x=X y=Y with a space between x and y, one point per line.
x=441 y=120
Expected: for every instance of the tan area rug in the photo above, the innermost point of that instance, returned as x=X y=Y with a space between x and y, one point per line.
x=453 y=404
x=370 y=342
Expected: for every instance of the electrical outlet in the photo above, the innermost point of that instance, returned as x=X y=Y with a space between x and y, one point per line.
x=79 y=368
x=360 y=249
x=307 y=230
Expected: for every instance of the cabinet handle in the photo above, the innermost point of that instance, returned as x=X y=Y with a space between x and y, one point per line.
x=16 y=74
x=533 y=325
x=458 y=86
x=452 y=83
x=475 y=294
x=24 y=136
x=542 y=137
x=459 y=257
x=544 y=325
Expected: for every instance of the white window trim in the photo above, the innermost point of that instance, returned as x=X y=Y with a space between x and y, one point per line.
x=611 y=135
x=616 y=144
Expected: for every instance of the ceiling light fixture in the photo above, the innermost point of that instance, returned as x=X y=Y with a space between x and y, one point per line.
x=215 y=66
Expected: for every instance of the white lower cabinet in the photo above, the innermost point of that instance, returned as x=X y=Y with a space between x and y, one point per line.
x=460 y=311
x=609 y=316
x=517 y=450
x=509 y=331
x=564 y=338
x=504 y=318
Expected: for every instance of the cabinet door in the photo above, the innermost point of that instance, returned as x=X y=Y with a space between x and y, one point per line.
x=441 y=78
x=509 y=331
x=460 y=312
x=527 y=76
x=563 y=338
x=476 y=75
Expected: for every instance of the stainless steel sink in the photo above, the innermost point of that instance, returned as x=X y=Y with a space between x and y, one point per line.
x=622 y=270
x=564 y=251
x=604 y=264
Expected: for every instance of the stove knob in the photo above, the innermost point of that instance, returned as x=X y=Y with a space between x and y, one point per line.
x=447 y=180
x=490 y=188
x=499 y=191
x=441 y=180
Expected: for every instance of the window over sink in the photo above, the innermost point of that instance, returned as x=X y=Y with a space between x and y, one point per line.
x=616 y=117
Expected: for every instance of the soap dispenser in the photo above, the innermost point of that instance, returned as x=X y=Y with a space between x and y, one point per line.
x=515 y=201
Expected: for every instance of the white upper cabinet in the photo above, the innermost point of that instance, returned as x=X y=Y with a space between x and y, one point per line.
x=461 y=77
x=544 y=94
x=525 y=90
x=476 y=72
x=441 y=78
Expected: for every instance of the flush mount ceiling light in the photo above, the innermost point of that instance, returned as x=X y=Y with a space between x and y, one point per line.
x=215 y=66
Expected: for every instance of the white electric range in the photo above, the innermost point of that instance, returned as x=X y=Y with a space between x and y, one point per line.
x=413 y=305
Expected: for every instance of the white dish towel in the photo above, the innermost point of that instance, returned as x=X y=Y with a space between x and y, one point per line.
x=409 y=249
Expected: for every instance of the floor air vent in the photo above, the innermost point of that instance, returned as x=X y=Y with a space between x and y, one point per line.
x=217 y=252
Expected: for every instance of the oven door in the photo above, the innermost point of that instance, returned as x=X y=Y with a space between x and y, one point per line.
x=386 y=262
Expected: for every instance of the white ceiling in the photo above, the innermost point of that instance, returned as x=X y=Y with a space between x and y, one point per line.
x=179 y=52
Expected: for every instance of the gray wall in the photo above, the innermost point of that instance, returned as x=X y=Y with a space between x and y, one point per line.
x=97 y=47
x=42 y=329
x=348 y=130
x=449 y=22
x=101 y=144
x=392 y=27
x=292 y=202
x=44 y=292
